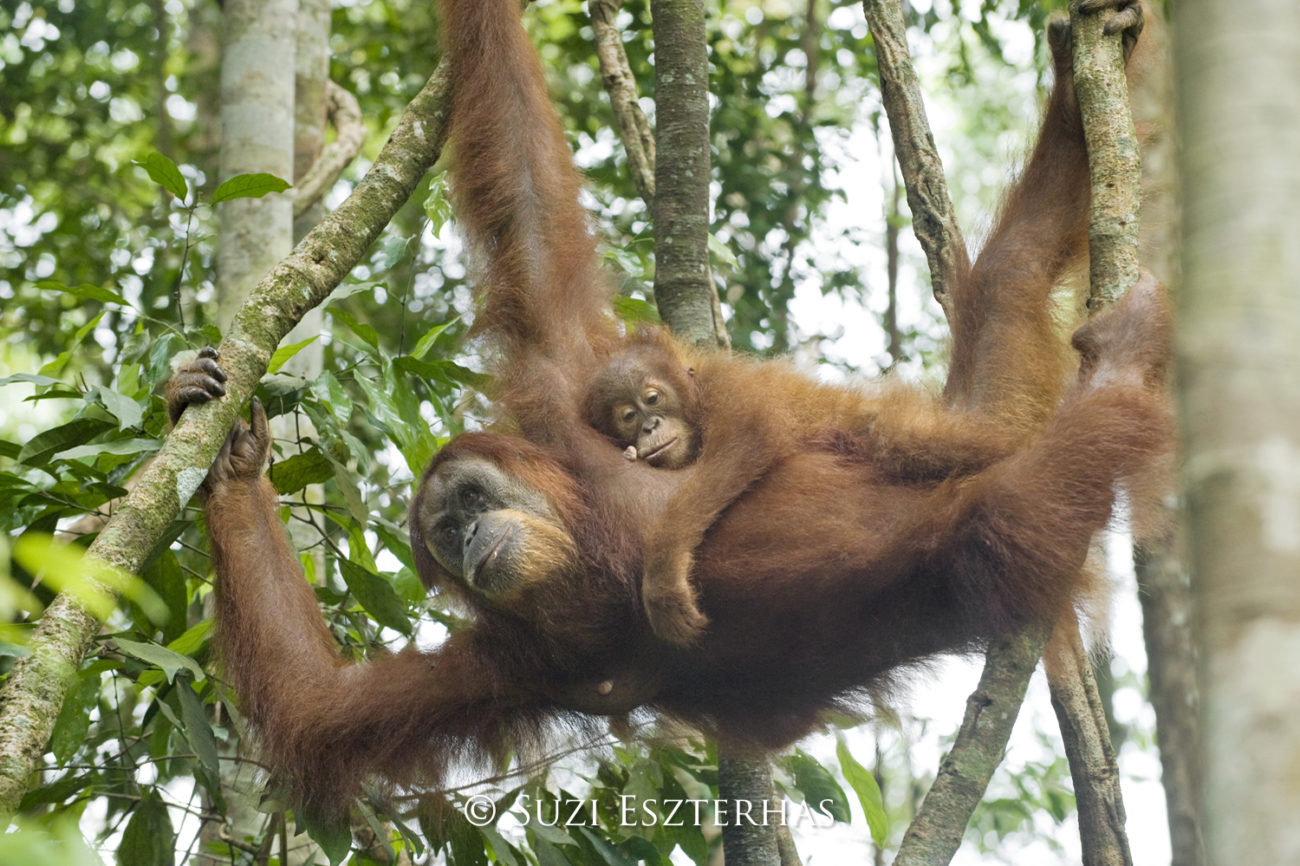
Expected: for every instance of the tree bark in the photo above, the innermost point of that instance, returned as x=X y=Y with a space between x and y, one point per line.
x=1164 y=583
x=933 y=218
x=257 y=99
x=1115 y=170
x=620 y=84
x=1239 y=314
x=936 y=831
x=689 y=306
x=681 y=202
x=32 y=695
x=1113 y=159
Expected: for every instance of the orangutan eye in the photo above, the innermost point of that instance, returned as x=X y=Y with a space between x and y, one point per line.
x=651 y=397
x=470 y=498
x=629 y=415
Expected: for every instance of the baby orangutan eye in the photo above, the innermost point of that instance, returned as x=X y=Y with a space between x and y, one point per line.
x=651 y=397
x=629 y=415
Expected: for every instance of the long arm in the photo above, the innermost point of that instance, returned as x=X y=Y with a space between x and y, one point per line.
x=516 y=197
x=325 y=723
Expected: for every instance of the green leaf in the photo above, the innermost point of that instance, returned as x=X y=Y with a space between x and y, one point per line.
x=723 y=258
x=362 y=330
x=430 y=337
x=333 y=837
x=149 y=838
x=198 y=730
x=74 y=717
x=85 y=291
x=295 y=473
x=120 y=447
x=192 y=640
x=41 y=447
x=169 y=661
x=165 y=575
x=89 y=579
x=32 y=378
x=253 y=185
x=635 y=310
x=868 y=791
x=437 y=204
x=165 y=173
x=818 y=786
x=284 y=353
x=122 y=407
x=376 y=595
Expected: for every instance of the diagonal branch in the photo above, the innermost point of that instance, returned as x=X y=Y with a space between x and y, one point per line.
x=350 y=134
x=616 y=74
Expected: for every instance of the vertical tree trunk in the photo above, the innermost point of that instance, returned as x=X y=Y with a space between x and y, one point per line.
x=681 y=202
x=257 y=85
x=1164 y=585
x=689 y=305
x=1237 y=66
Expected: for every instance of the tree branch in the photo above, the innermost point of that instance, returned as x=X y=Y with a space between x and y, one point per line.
x=350 y=135
x=933 y=219
x=34 y=691
x=1115 y=167
x=936 y=832
x=1101 y=87
x=620 y=84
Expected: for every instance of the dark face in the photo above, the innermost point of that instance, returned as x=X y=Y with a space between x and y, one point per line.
x=491 y=531
x=651 y=417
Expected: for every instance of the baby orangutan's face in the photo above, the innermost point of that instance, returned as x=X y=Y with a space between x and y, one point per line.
x=650 y=422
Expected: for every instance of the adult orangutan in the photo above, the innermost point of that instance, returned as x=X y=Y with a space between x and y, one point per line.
x=849 y=558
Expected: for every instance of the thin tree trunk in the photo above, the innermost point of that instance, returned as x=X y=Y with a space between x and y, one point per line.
x=1239 y=124
x=689 y=305
x=1164 y=583
x=933 y=219
x=936 y=832
x=681 y=202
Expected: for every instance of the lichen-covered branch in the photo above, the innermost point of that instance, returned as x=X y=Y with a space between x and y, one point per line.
x=1082 y=719
x=935 y=833
x=933 y=219
x=1114 y=162
x=1115 y=167
x=350 y=134
x=616 y=74
x=34 y=692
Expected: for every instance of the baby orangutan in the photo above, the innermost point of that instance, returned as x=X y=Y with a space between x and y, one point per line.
x=732 y=419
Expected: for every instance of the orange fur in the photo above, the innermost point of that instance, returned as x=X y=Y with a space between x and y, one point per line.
x=850 y=557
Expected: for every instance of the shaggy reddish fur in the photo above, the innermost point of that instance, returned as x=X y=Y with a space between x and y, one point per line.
x=849 y=560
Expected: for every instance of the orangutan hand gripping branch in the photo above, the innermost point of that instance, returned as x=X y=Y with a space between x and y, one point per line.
x=876 y=531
